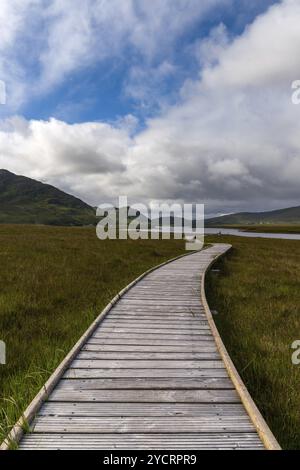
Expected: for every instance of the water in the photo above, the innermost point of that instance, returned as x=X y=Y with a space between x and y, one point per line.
x=240 y=233
x=233 y=232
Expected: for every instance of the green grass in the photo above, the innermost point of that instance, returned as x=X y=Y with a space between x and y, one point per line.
x=257 y=297
x=53 y=283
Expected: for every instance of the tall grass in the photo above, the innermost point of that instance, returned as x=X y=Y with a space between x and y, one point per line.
x=53 y=283
x=257 y=297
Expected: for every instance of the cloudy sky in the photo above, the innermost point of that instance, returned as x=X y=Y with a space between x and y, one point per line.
x=179 y=100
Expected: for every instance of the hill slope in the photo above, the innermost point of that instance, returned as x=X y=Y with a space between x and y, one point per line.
x=26 y=201
x=278 y=217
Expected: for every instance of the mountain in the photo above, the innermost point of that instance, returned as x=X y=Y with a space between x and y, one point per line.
x=277 y=217
x=27 y=201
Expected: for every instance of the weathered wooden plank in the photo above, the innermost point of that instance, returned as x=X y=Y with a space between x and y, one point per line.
x=174 y=290
x=185 y=327
x=115 y=340
x=192 y=323
x=151 y=333
x=158 y=303
x=157 y=317
x=211 y=410
x=146 y=383
x=157 y=331
x=124 y=425
x=178 y=298
x=165 y=295
x=156 y=322
x=164 y=317
x=174 y=356
x=144 y=364
x=181 y=309
x=197 y=347
x=213 y=441
x=149 y=396
x=160 y=311
x=142 y=341
x=150 y=372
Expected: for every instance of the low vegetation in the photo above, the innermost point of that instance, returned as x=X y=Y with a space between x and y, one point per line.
x=257 y=299
x=53 y=283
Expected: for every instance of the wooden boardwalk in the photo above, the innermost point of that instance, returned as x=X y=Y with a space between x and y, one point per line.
x=150 y=376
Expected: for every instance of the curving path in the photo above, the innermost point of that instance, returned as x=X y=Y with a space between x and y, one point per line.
x=151 y=373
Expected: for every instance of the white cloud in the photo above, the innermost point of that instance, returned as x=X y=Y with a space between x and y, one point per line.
x=14 y=15
x=159 y=23
x=42 y=42
x=146 y=85
x=208 y=50
x=232 y=140
x=68 y=155
x=267 y=53
x=235 y=135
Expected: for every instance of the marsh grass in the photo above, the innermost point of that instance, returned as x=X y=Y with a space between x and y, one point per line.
x=53 y=283
x=257 y=296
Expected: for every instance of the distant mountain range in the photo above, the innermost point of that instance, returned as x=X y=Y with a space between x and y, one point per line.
x=277 y=217
x=27 y=201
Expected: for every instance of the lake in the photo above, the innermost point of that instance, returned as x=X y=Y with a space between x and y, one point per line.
x=229 y=231
x=240 y=233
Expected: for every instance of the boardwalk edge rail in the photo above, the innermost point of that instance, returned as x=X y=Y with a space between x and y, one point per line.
x=16 y=433
x=255 y=415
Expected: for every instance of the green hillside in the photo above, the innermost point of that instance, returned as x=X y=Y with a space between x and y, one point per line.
x=277 y=217
x=26 y=201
